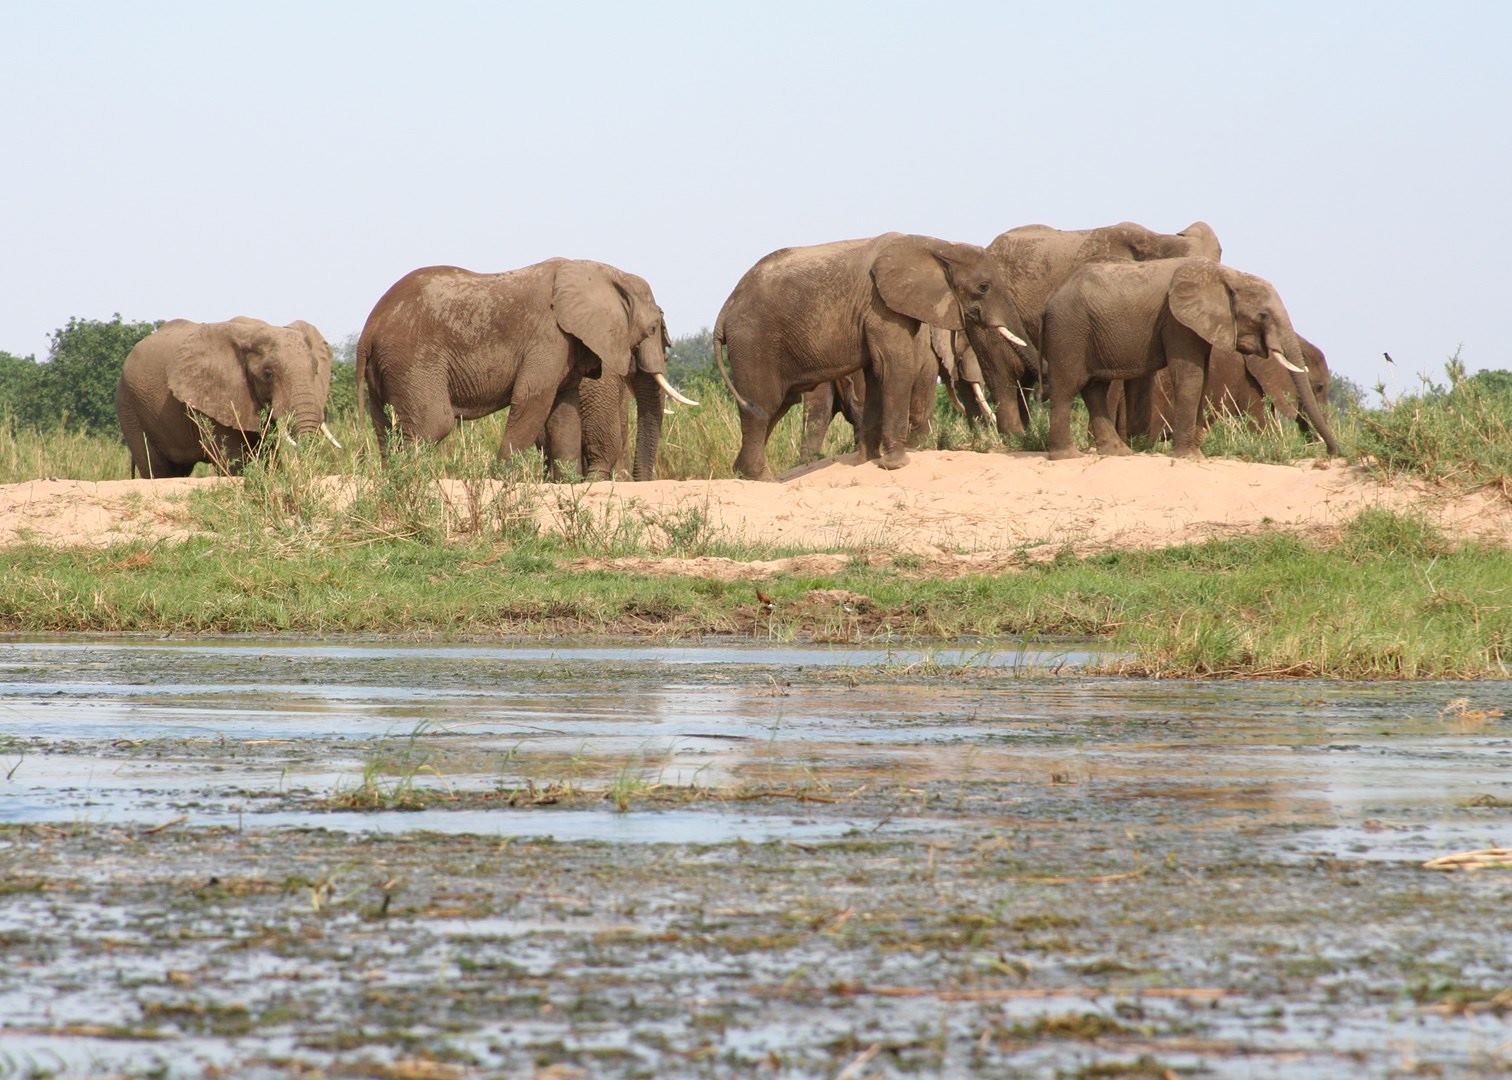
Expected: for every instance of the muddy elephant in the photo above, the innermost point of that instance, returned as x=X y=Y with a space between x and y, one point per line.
x=1114 y=321
x=591 y=433
x=1038 y=259
x=445 y=344
x=805 y=316
x=192 y=392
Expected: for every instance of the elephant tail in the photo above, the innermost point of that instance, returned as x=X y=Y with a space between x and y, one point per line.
x=367 y=400
x=747 y=407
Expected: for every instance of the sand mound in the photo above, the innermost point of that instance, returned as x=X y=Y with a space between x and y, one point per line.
x=974 y=511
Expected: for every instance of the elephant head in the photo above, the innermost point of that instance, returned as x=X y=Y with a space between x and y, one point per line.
x=1230 y=309
x=960 y=287
x=230 y=371
x=615 y=316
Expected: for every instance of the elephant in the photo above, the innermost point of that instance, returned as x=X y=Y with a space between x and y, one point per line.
x=594 y=438
x=1128 y=320
x=1038 y=259
x=805 y=316
x=186 y=375
x=445 y=344
x=938 y=354
x=1236 y=385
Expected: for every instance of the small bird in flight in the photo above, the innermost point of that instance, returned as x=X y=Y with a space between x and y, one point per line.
x=1389 y=360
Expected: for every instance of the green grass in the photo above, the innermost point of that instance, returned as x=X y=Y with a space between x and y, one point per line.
x=1389 y=598
x=1457 y=435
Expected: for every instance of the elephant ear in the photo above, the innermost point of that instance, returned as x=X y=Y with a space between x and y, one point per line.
x=595 y=308
x=320 y=350
x=1203 y=240
x=209 y=376
x=1200 y=300
x=1275 y=381
x=911 y=274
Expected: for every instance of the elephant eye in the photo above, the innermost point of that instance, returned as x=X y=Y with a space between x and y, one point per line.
x=983 y=287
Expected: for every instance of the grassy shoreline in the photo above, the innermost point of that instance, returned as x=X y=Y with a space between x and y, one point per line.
x=1389 y=598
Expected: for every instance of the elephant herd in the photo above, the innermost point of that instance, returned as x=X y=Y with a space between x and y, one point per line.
x=1152 y=330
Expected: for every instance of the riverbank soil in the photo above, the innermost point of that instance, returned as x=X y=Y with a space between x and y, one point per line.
x=942 y=503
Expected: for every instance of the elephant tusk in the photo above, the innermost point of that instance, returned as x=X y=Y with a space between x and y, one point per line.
x=326 y=431
x=1279 y=357
x=672 y=392
x=976 y=388
x=288 y=438
x=1011 y=336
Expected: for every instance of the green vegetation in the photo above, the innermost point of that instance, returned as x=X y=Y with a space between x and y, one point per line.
x=1457 y=434
x=75 y=388
x=1390 y=598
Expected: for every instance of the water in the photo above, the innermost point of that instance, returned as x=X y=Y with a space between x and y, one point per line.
x=702 y=860
x=251 y=732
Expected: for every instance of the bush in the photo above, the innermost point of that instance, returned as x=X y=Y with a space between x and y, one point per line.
x=1459 y=434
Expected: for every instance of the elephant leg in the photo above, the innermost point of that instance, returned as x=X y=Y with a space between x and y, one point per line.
x=526 y=423
x=1186 y=363
x=819 y=407
x=921 y=406
x=563 y=438
x=1104 y=433
x=890 y=383
x=605 y=426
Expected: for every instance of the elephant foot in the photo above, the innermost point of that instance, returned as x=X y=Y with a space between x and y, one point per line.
x=894 y=460
x=1064 y=454
x=1115 y=450
x=1190 y=454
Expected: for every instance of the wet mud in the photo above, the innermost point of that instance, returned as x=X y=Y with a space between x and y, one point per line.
x=251 y=858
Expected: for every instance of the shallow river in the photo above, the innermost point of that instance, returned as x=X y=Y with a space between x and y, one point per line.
x=1288 y=796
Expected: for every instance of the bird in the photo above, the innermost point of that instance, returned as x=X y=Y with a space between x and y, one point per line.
x=766 y=602
x=1389 y=360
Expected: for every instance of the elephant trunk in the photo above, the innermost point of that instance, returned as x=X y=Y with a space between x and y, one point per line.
x=648 y=424
x=1302 y=381
x=1006 y=368
x=305 y=414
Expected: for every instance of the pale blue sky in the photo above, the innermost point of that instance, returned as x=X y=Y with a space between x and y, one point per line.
x=291 y=160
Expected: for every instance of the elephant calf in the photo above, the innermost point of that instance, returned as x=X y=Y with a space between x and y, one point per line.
x=226 y=373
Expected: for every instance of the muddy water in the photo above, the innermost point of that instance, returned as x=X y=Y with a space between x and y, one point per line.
x=732 y=860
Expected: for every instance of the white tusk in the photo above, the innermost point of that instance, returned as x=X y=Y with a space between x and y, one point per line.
x=326 y=431
x=976 y=388
x=288 y=438
x=1279 y=357
x=1011 y=336
x=681 y=399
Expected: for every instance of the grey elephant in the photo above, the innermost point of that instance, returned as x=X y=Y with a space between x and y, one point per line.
x=445 y=344
x=1237 y=385
x=1113 y=321
x=805 y=316
x=1038 y=259
x=594 y=437
x=939 y=354
x=224 y=374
